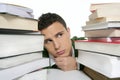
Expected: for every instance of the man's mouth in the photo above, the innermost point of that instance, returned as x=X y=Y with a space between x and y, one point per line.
x=61 y=52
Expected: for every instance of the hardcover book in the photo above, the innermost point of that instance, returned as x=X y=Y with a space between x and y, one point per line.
x=16 y=44
x=19 y=59
x=96 y=6
x=16 y=10
x=105 y=12
x=109 y=48
x=55 y=74
x=8 y=21
x=103 y=25
x=103 y=19
x=104 y=64
x=103 y=33
x=20 y=70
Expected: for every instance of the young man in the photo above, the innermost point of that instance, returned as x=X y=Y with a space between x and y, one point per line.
x=57 y=41
x=59 y=45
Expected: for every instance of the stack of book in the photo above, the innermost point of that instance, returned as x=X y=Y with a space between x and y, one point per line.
x=101 y=51
x=21 y=44
x=16 y=10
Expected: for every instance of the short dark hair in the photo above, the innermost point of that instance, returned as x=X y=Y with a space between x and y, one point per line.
x=47 y=19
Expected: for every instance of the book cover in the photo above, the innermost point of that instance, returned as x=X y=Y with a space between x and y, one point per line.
x=56 y=74
x=35 y=75
x=103 y=25
x=16 y=10
x=19 y=59
x=103 y=19
x=103 y=33
x=18 y=71
x=8 y=21
x=16 y=44
x=104 y=39
x=96 y=6
x=103 y=47
x=104 y=64
x=105 y=12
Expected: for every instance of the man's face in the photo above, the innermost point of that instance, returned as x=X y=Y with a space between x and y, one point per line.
x=57 y=40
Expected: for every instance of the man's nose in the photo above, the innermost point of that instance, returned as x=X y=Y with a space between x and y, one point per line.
x=56 y=44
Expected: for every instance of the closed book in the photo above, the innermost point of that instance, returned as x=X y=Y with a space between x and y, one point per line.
x=19 y=59
x=16 y=10
x=56 y=74
x=105 y=12
x=96 y=6
x=104 y=39
x=35 y=75
x=103 y=33
x=103 y=47
x=8 y=21
x=16 y=44
x=103 y=19
x=103 y=25
x=20 y=70
x=104 y=64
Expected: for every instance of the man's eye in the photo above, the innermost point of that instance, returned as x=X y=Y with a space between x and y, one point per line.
x=59 y=35
x=48 y=41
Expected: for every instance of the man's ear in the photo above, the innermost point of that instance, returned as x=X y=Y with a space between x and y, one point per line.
x=68 y=30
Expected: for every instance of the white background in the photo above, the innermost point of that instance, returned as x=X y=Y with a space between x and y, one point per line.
x=75 y=12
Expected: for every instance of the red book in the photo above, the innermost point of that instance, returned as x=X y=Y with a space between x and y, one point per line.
x=102 y=47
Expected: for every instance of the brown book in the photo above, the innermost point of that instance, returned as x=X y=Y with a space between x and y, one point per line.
x=103 y=33
x=8 y=21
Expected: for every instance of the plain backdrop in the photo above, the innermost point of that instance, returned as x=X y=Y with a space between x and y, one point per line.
x=75 y=12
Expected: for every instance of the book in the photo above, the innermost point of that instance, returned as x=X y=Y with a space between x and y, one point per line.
x=105 y=12
x=102 y=19
x=96 y=6
x=102 y=47
x=56 y=74
x=104 y=64
x=19 y=59
x=96 y=75
x=18 y=71
x=67 y=75
x=16 y=10
x=35 y=75
x=16 y=44
x=103 y=33
x=104 y=39
x=8 y=21
x=102 y=25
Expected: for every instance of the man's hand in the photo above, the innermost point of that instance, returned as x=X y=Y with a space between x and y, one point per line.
x=66 y=63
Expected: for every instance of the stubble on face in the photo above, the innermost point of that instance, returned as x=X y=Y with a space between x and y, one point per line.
x=57 y=40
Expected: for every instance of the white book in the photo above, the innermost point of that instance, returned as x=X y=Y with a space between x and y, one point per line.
x=102 y=25
x=105 y=12
x=18 y=71
x=104 y=64
x=8 y=21
x=20 y=59
x=16 y=44
x=56 y=74
x=37 y=75
x=109 y=48
x=103 y=33
x=96 y=6
x=16 y=10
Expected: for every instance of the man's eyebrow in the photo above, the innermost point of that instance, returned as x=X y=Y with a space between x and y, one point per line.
x=59 y=33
